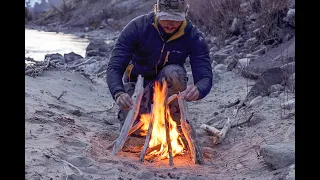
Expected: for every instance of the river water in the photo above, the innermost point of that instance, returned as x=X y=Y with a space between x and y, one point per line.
x=40 y=43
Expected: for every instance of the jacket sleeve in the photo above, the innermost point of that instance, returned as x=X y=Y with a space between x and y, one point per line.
x=200 y=65
x=120 y=57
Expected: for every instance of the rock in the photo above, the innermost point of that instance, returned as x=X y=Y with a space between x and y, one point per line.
x=244 y=62
x=265 y=81
x=76 y=177
x=256 y=119
x=145 y=175
x=275 y=88
x=251 y=56
x=214 y=49
x=98 y=47
x=79 y=161
x=290 y=18
x=253 y=17
x=257 y=101
x=213 y=64
x=220 y=67
x=229 y=59
x=275 y=57
x=275 y=94
x=289 y=105
x=56 y=56
x=232 y=65
x=76 y=112
x=250 y=43
x=290 y=133
x=227 y=50
x=278 y=155
x=216 y=77
x=230 y=40
x=219 y=57
x=69 y=57
x=235 y=26
x=290 y=84
x=288 y=68
x=53 y=56
x=260 y=51
x=110 y=20
x=86 y=29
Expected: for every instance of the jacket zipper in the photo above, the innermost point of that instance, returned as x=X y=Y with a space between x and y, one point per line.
x=160 y=56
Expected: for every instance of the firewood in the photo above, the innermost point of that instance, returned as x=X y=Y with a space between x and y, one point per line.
x=166 y=122
x=223 y=132
x=150 y=149
x=146 y=143
x=190 y=133
x=132 y=115
x=210 y=129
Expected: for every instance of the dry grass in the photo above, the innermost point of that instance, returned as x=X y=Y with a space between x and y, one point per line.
x=216 y=17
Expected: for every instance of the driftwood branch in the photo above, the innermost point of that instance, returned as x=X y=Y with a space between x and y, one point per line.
x=132 y=115
x=166 y=123
x=219 y=134
x=150 y=149
x=135 y=127
x=190 y=133
x=148 y=137
x=210 y=129
x=223 y=132
x=171 y=98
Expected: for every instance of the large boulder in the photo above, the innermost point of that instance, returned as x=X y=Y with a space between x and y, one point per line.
x=265 y=81
x=55 y=56
x=278 y=155
x=276 y=57
x=70 y=57
x=98 y=47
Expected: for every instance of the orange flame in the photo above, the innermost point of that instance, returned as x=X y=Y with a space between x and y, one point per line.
x=158 y=135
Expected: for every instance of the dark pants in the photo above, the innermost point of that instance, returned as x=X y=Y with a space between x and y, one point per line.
x=176 y=79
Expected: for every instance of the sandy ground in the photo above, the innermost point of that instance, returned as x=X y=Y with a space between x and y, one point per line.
x=67 y=137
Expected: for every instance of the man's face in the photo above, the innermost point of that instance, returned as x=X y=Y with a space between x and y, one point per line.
x=170 y=26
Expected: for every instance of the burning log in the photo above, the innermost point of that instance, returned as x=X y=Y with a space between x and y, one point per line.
x=132 y=115
x=166 y=122
x=219 y=135
x=190 y=133
x=146 y=143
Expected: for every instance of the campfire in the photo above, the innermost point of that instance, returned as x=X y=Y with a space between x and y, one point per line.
x=162 y=136
x=160 y=114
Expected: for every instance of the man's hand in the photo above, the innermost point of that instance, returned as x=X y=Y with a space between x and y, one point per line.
x=191 y=93
x=124 y=101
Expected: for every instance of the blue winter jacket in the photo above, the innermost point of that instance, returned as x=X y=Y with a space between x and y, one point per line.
x=140 y=49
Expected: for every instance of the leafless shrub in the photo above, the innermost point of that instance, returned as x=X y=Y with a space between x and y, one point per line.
x=270 y=21
x=215 y=16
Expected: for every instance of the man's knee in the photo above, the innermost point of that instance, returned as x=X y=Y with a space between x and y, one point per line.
x=176 y=78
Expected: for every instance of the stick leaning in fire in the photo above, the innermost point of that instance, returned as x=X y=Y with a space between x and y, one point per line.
x=166 y=122
x=190 y=133
x=132 y=115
